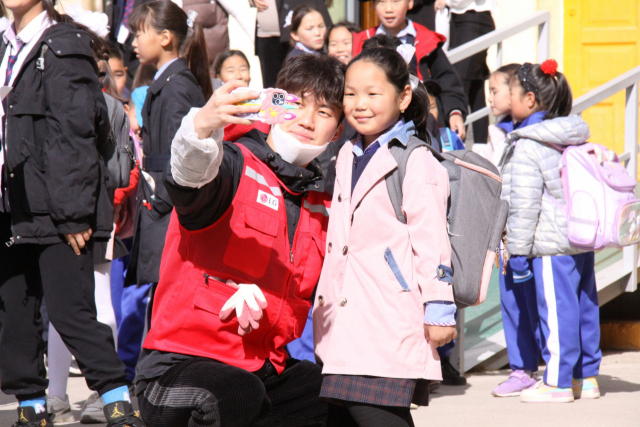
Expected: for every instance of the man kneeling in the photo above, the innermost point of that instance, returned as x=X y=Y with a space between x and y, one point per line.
x=242 y=257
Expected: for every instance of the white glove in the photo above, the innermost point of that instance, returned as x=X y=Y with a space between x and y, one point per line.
x=248 y=303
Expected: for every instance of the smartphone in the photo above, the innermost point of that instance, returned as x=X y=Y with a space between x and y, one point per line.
x=274 y=104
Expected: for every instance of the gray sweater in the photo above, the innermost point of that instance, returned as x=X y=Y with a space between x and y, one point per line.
x=537 y=224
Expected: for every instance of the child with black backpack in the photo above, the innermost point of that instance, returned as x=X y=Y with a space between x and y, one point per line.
x=537 y=241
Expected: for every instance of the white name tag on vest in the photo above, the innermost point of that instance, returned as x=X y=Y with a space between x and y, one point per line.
x=268 y=200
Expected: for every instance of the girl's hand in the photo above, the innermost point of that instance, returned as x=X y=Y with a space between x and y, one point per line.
x=457 y=125
x=438 y=336
x=78 y=240
x=440 y=5
x=220 y=109
x=261 y=5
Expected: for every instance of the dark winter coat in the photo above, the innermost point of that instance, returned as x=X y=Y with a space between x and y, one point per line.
x=169 y=99
x=57 y=183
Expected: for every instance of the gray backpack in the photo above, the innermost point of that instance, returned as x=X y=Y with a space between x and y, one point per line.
x=476 y=216
x=117 y=153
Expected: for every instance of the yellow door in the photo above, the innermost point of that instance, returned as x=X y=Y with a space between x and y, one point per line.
x=602 y=41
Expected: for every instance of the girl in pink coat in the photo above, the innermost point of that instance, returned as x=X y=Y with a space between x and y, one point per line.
x=381 y=310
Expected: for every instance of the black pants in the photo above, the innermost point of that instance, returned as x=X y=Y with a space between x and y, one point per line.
x=477 y=101
x=272 y=54
x=354 y=414
x=203 y=392
x=27 y=272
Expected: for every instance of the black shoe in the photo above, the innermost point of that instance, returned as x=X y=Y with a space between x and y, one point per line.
x=27 y=417
x=450 y=375
x=121 y=414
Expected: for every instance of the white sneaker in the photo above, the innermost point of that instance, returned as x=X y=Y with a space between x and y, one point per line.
x=91 y=412
x=74 y=370
x=60 y=410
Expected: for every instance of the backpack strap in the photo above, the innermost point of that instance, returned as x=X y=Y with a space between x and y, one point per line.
x=447 y=141
x=395 y=178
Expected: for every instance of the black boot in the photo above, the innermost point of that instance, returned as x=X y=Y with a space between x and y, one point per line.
x=121 y=414
x=27 y=417
x=450 y=375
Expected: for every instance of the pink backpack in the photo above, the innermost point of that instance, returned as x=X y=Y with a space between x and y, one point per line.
x=602 y=208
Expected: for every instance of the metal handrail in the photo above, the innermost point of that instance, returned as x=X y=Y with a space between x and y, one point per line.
x=606 y=90
x=538 y=19
x=542 y=20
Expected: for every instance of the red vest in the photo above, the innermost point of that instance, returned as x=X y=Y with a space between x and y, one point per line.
x=248 y=244
x=426 y=42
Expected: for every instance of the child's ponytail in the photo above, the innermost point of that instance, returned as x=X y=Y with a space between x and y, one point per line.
x=550 y=87
x=397 y=72
x=194 y=50
x=166 y=15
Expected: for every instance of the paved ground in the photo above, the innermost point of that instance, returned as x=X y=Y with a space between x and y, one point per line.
x=474 y=406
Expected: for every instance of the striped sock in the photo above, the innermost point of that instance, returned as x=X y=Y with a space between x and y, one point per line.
x=116 y=395
x=38 y=404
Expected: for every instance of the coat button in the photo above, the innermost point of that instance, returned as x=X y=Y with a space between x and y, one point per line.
x=18 y=237
x=343 y=302
x=441 y=272
x=330 y=246
x=11 y=175
x=345 y=250
x=340 y=197
x=11 y=107
x=320 y=300
x=317 y=185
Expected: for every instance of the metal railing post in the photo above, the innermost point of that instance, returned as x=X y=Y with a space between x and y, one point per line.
x=499 y=55
x=630 y=253
x=544 y=41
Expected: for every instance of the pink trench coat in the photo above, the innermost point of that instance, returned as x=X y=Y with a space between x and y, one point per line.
x=364 y=322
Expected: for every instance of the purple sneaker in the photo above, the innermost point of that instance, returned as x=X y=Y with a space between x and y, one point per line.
x=517 y=381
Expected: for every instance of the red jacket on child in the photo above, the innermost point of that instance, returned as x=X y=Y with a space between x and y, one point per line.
x=426 y=42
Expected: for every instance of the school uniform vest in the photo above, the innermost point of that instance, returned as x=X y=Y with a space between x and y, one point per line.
x=426 y=42
x=248 y=244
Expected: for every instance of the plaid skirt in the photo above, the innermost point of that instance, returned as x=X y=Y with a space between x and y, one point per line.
x=376 y=390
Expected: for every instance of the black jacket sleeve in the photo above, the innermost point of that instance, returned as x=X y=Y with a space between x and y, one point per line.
x=437 y=65
x=177 y=100
x=71 y=156
x=198 y=208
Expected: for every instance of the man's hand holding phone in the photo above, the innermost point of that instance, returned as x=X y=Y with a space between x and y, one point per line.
x=221 y=110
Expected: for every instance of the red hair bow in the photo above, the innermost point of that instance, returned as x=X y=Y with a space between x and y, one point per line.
x=550 y=66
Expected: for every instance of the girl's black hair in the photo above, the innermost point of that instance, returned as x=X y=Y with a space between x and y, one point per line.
x=115 y=52
x=298 y=15
x=166 y=15
x=3 y=11
x=508 y=71
x=217 y=64
x=554 y=93
x=397 y=72
x=381 y=40
x=350 y=26
x=99 y=45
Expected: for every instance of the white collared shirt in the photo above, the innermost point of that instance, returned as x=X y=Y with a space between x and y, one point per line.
x=303 y=48
x=28 y=38
x=409 y=30
x=462 y=6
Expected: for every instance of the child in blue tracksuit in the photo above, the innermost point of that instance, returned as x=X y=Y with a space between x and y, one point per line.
x=517 y=292
x=563 y=276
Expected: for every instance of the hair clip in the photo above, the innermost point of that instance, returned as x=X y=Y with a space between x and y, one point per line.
x=414 y=81
x=191 y=18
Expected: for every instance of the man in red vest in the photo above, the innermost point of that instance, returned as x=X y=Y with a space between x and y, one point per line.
x=242 y=257
x=430 y=62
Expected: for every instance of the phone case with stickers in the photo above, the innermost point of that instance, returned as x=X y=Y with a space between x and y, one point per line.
x=274 y=104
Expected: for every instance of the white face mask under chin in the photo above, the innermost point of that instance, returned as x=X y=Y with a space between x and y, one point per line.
x=293 y=151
